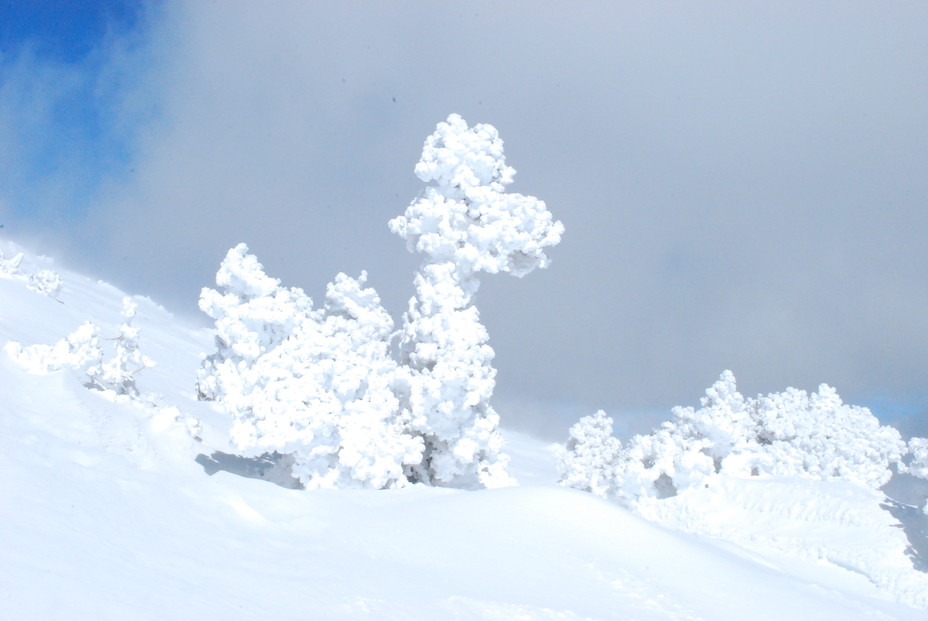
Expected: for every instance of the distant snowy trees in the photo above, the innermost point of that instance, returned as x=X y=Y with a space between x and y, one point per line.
x=321 y=386
x=788 y=433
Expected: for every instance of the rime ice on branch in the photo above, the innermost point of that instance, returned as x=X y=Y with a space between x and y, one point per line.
x=317 y=385
x=464 y=223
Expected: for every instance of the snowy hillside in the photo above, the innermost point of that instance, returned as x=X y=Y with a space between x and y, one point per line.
x=107 y=514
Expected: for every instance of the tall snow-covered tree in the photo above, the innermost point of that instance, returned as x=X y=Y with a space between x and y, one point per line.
x=317 y=385
x=464 y=223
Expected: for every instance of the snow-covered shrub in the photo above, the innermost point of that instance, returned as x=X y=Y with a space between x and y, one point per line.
x=118 y=373
x=10 y=267
x=80 y=350
x=83 y=350
x=588 y=460
x=317 y=385
x=47 y=282
x=918 y=447
x=464 y=223
x=253 y=314
x=789 y=433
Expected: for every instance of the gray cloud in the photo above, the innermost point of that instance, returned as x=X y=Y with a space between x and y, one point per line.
x=743 y=186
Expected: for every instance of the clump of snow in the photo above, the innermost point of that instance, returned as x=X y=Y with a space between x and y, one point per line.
x=83 y=350
x=10 y=267
x=588 y=460
x=464 y=223
x=47 y=282
x=317 y=385
x=80 y=350
x=918 y=447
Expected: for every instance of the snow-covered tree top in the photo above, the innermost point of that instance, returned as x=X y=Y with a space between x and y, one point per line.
x=467 y=218
x=241 y=275
x=458 y=158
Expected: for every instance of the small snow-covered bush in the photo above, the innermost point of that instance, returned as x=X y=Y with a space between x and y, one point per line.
x=253 y=316
x=10 y=267
x=463 y=224
x=83 y=350
x=793 y=433
x=588 y=460
x=918 y=447
x=80 y=350
x=118 y=373
x=47 y=282
x=318 y=385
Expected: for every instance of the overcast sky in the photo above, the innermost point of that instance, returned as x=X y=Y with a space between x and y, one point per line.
x=744 y=186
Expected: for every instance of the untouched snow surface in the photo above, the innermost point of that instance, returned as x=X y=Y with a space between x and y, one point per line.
x=106 y=514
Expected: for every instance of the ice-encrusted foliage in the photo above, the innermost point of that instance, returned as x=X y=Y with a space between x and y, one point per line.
x=791 y=433
x=10 y=267
x=254 y=315
x=466 y=217
x=80 y=350
x=44 y=281
x=84 y=351
x=588 y=460
x=918 y=447
x=317 y=385
x=464 y=223
x=118 y=373
x=47 y=282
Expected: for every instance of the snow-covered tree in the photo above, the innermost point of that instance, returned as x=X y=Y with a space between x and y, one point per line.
x=464 y=223
x=588 y=460
x=118 y=373
x=788 y=433
x=316 y=385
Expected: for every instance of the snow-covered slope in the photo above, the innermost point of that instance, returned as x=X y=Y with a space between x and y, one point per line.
x=106 y=514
